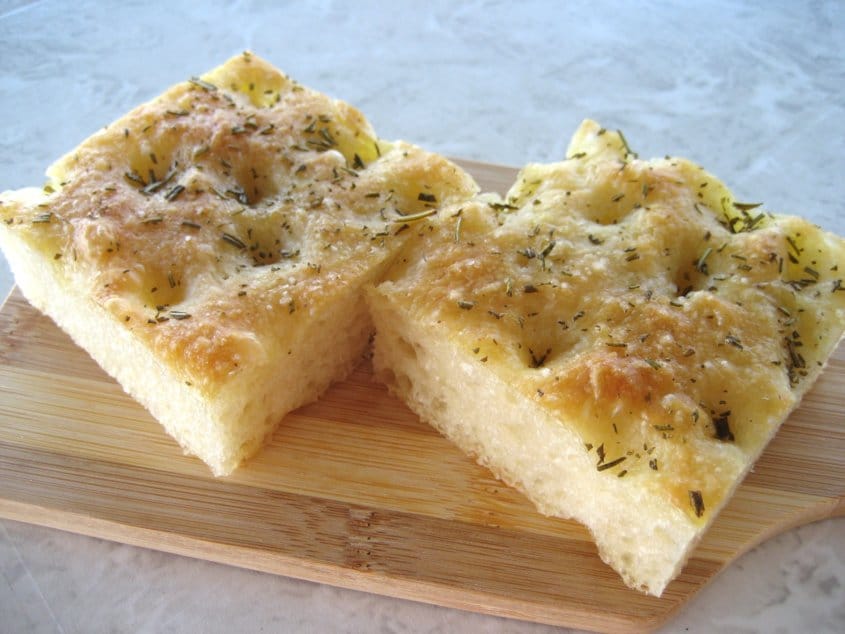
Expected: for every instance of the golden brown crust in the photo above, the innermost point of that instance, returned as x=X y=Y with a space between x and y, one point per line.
x=636 y=301
x=226 y=210
x=209 y=249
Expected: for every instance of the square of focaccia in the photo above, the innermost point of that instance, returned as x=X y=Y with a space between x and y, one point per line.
x=617 y=338
x=209 y=248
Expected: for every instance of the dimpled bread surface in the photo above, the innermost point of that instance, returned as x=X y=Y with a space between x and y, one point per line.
x=209 y=248
x=617 y=338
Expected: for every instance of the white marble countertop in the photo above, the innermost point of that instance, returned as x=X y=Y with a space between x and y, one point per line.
x=755 y=94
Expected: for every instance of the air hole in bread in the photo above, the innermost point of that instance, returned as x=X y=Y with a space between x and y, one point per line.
x=403 y=383
x=395 y=380
x=690 y=278
x=248 y=185
x=407 y=349
x=153 y=156
x=438 y=406
x=153 y=173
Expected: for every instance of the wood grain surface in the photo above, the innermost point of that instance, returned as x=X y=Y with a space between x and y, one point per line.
x=354 y=491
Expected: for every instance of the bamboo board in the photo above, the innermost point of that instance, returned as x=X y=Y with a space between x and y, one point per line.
x=354 y=491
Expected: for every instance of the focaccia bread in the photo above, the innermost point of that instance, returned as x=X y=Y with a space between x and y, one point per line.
x=617 y=338
x=209 y=248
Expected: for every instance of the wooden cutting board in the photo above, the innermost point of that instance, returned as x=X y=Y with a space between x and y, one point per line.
x=354 y=491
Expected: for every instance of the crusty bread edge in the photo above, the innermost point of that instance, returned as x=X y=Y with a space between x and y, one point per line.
x=643 y=540
x=248 y=408
x=98 y=334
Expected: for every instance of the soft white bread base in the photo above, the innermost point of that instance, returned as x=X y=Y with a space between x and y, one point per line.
x=617 y=338
x=228 y=428
x=643 y=539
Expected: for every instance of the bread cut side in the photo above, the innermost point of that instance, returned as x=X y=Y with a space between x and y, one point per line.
x=209 y=248
x=617 y=338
